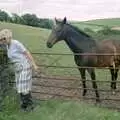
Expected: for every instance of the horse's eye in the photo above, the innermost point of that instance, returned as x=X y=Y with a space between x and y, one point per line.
x=58 y=30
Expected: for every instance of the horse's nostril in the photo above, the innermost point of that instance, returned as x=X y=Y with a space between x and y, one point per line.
x=49 y=45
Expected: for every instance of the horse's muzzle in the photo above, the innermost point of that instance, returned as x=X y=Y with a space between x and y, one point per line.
x=49 y=45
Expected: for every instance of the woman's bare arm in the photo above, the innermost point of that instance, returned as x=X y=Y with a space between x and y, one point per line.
x=29 y=56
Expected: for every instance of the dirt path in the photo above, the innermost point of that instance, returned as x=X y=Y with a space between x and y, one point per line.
x=72 y=90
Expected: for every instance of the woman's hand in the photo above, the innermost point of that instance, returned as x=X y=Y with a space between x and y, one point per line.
x=36 y=67
x=29 y=56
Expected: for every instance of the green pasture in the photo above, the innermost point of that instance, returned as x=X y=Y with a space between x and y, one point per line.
x=87 y=25
x=97 y=24
x=109 y=22
x=35 y=40
x=112 y=22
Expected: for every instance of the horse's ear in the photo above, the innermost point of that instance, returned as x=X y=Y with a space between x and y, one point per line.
x=64 y=20
x=54 y=21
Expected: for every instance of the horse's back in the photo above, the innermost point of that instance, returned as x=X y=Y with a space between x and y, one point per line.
x=110 y=49
x=110 y=46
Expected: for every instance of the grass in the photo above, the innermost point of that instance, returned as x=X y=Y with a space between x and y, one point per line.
x=60 y=110
x=97 y=24
x=35 y=40
x=87 y=25
x=109 y=22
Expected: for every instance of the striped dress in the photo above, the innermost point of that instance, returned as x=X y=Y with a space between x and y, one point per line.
x=22 y=66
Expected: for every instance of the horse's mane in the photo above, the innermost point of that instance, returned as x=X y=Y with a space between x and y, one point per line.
x=80 y=31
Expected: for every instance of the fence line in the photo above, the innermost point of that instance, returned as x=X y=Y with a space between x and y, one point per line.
x=71 y=79
x=44 y=78
x=77 y=88
x=67 y=90
x=56 y=66
x=75 y=96
x=66 y=54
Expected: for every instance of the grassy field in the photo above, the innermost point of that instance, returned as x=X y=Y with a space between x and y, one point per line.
x=109 y=22
x=112 y=22
x=35 y=40
x=97 y=24
x=59 y=110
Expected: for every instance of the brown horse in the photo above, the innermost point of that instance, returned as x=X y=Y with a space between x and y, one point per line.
x=84 y=45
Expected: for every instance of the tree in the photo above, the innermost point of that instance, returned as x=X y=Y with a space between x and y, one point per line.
x=31 y=19
x=17 y=19
x=26 y=19
x=45 y=23
x=4 y=16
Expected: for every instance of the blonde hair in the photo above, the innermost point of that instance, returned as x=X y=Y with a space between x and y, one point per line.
x=6 y=33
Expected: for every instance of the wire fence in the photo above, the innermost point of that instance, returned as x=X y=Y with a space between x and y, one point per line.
x=65 y=87
x=48 y=86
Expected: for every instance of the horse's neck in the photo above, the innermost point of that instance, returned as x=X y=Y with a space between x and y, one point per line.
x=78 y=43
x=73 y=44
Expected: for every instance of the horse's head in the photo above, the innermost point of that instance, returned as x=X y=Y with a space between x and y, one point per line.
x=57 y=33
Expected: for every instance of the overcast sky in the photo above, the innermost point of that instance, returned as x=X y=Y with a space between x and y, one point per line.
x=72 y=9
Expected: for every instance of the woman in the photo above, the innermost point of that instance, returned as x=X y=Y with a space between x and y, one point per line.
x=22 y=62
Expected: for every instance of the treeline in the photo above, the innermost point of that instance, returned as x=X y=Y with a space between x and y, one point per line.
x=25 y=19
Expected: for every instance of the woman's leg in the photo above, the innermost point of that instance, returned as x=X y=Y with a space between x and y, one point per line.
x=24 y=85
